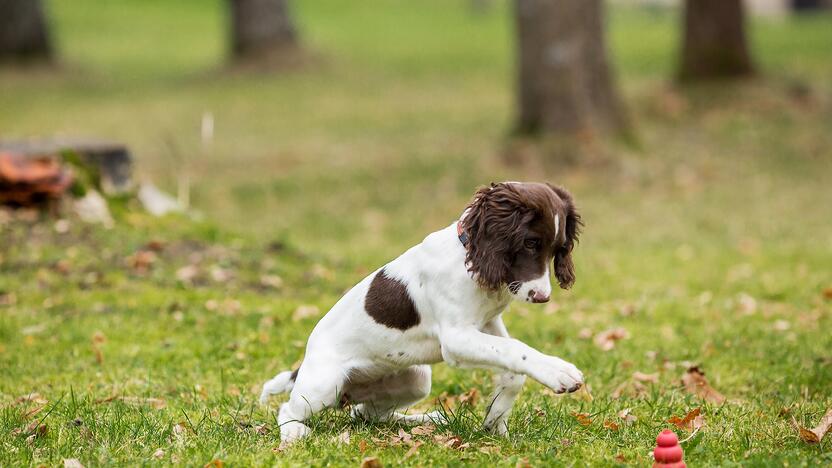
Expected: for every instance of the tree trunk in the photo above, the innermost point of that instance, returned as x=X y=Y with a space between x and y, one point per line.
x=23 y=31
x=565 y=84
x=261 y=28
x=714 y=44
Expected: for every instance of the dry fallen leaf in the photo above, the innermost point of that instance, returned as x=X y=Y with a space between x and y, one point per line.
x=606 y=339
x=271 y=281
x=695 y=382
x=814 y=436
x=523 y=463
x=424 y=429
x=632 y=388
x=187 y=273
x=215 y=463
x=342 y=438
x=72 y=463
x=471 y=397
x=611 y=425
x=827 y=293
x=371 y=462
x=362 y=446
x=159 y=454
x=490 y=449
x=627 y=416
x=693 y=420
x=414 y=448
x=582 y=418
x=450 y=441
x=642 y=377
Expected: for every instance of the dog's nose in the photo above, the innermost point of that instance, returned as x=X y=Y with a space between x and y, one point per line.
x=539 y=298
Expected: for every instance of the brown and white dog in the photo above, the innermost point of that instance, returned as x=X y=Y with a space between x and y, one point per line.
x=442 y=300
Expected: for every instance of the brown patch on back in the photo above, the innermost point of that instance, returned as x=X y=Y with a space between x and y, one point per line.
x=389 y=304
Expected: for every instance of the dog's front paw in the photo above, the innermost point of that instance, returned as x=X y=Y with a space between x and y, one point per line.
x=561 y=376
x=293 y=431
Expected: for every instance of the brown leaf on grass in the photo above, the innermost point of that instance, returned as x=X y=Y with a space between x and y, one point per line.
x=271 y=281
x=523 y=463
x=606 y=339
x=32 y=430
x=33 y=397
x=827 y=293
x=342 y=438
x=471 y=397
x=414 y=449
x=582 y=418
x=627 y=416
x=642 y=377
x=815 y=435
x=98 y=339
x=451 y=441
x=187 y=274
x=142 y=261
x=34 y=411
x=695 y=382
x=692 y=420
x=402 y=437
x=424 y=429
x=631 y=388
x=215 y=463
x=371 y=462
x=489 y=449
x=610 y=425
x=72 y=463
x=362 y=446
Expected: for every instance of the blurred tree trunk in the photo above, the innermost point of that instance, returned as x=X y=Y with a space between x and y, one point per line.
x=565 y=83
x=24 y=35
x=714 y=44
x=262 y=28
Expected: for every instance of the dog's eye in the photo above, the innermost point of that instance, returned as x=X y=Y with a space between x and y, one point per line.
x=531 y=244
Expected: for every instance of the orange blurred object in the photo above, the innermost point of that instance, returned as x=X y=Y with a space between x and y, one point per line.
x=31 y=181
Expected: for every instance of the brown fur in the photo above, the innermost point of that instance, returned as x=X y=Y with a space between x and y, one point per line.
x=389 y=304
x=504 y=220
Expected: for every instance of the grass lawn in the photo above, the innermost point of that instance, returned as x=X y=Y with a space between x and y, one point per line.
x=709 y=240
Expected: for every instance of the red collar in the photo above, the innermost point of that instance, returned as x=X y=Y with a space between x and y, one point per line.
x=463 y=237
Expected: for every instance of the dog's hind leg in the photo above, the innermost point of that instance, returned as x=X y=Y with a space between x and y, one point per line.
x=378 y=400
x=319 y=385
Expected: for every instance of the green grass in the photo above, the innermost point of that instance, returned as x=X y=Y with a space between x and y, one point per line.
x=321 y=174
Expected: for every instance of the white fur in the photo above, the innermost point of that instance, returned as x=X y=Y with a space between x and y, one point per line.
x=557 y=224
x=384 y=369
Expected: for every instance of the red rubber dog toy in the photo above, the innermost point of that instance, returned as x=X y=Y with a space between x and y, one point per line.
x=668 y=453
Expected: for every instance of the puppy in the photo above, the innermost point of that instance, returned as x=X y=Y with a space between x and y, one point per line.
x=442 y=300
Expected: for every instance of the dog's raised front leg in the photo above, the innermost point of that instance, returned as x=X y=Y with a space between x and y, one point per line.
x=466 y=346
x=507 y=386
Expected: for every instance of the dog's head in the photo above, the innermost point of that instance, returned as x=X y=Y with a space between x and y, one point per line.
x=515 y=230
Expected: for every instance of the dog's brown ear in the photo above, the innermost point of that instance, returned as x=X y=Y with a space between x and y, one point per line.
x=492 y=223
x=564 y=267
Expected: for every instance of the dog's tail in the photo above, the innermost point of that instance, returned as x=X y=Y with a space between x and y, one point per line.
x=281 y=383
